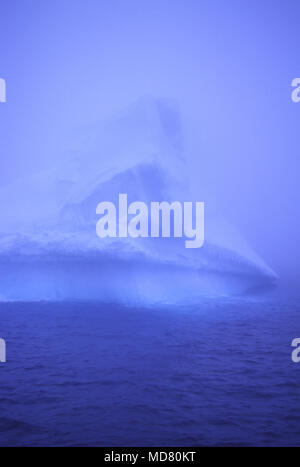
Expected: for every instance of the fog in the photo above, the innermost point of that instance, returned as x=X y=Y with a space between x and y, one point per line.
x=69 y=66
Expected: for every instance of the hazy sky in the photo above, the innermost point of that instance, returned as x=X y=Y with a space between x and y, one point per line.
x=69 y=63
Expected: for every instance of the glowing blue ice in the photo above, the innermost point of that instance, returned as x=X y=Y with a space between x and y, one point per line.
x=48 y=244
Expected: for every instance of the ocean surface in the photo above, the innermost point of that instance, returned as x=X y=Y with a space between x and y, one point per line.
x=107 y=375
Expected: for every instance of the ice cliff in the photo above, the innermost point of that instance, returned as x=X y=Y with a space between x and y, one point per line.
x=48 y=244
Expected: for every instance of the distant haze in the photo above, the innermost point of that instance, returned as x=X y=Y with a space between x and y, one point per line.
x=70 y=65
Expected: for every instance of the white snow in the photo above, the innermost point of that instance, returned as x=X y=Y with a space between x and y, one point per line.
x=49 y=249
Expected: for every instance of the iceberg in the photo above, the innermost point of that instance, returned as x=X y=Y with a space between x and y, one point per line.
x=49 y=249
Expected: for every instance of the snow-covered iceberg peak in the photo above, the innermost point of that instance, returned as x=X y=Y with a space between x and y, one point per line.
x=146 y=133
x=49 y=249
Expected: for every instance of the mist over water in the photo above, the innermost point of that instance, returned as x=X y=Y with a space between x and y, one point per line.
x=140 y=341
x=230 y=67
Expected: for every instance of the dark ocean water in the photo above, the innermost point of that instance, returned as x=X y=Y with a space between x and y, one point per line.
x=82 y=374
